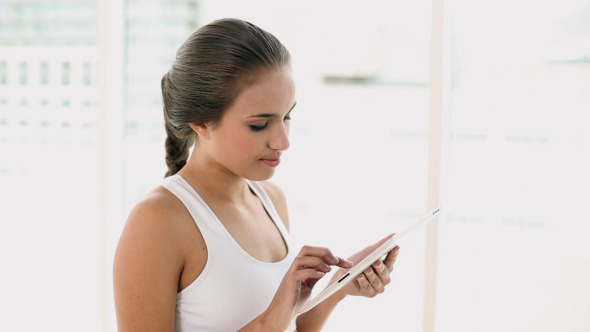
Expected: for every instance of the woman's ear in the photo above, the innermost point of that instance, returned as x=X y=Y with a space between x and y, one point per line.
x=201 y=129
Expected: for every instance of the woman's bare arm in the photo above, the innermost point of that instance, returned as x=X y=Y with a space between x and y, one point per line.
x=148 y=263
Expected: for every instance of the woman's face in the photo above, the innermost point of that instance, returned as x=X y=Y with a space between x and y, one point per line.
x=251 y=135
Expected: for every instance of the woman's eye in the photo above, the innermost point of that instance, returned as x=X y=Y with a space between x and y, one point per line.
x=259 y=128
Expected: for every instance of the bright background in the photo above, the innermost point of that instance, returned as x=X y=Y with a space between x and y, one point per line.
x=481 y=106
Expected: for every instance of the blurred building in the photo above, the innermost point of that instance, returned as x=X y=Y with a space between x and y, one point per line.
x=48 y=85
x=49 y=72
x=52 y=148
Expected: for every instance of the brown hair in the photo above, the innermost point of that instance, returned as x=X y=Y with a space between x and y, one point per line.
x=211 y=68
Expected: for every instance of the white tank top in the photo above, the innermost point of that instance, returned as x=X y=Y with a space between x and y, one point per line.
x=234 y=287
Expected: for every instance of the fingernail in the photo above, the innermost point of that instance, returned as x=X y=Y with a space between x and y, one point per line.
x=377 y=263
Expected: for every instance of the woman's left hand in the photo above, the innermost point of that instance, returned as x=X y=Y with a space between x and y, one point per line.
x=374 y=279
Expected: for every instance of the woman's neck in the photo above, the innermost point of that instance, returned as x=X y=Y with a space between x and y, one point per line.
x=215 y=183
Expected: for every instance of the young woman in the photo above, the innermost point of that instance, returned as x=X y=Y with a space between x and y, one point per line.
x=209 y=249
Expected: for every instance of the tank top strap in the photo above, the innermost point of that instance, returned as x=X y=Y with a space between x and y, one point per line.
x=203 y=216
x=270 y=209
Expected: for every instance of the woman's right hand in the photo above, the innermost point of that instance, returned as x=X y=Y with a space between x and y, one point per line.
x=310 y=265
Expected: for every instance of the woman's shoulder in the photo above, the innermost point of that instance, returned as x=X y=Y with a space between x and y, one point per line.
x=159 y=218
x=278 y=198
x=158 y=206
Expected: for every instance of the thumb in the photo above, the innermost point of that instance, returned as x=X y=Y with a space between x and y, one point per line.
x=372 y=247
x=376 y=245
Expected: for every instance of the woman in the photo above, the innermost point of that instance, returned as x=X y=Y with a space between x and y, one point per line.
x=209 y=249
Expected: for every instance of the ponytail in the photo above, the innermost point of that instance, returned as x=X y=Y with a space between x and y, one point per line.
x=178 y=141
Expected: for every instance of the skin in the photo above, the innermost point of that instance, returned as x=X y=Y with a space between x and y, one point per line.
x=161 y=250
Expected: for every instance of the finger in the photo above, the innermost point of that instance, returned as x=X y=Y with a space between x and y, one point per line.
x=374 y=280
x=374 y=246
x=326 y=255
x=382 y=272
x=321 y=252
x=391 y=257
x=344 y=263
x=364 y=284
x=303 y=275
x=310 y=262
x=380 y=268
x=379 y=243
x=308 y=278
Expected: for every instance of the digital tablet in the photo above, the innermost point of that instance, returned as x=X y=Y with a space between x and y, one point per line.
x=361 y=266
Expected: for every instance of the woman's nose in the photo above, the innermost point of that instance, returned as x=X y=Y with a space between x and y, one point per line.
x=280 y=138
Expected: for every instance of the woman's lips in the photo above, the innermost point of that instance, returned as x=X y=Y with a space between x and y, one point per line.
x=271 y=162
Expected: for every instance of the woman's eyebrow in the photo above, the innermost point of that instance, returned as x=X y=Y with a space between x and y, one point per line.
x=270 y=115
x=263 y=115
